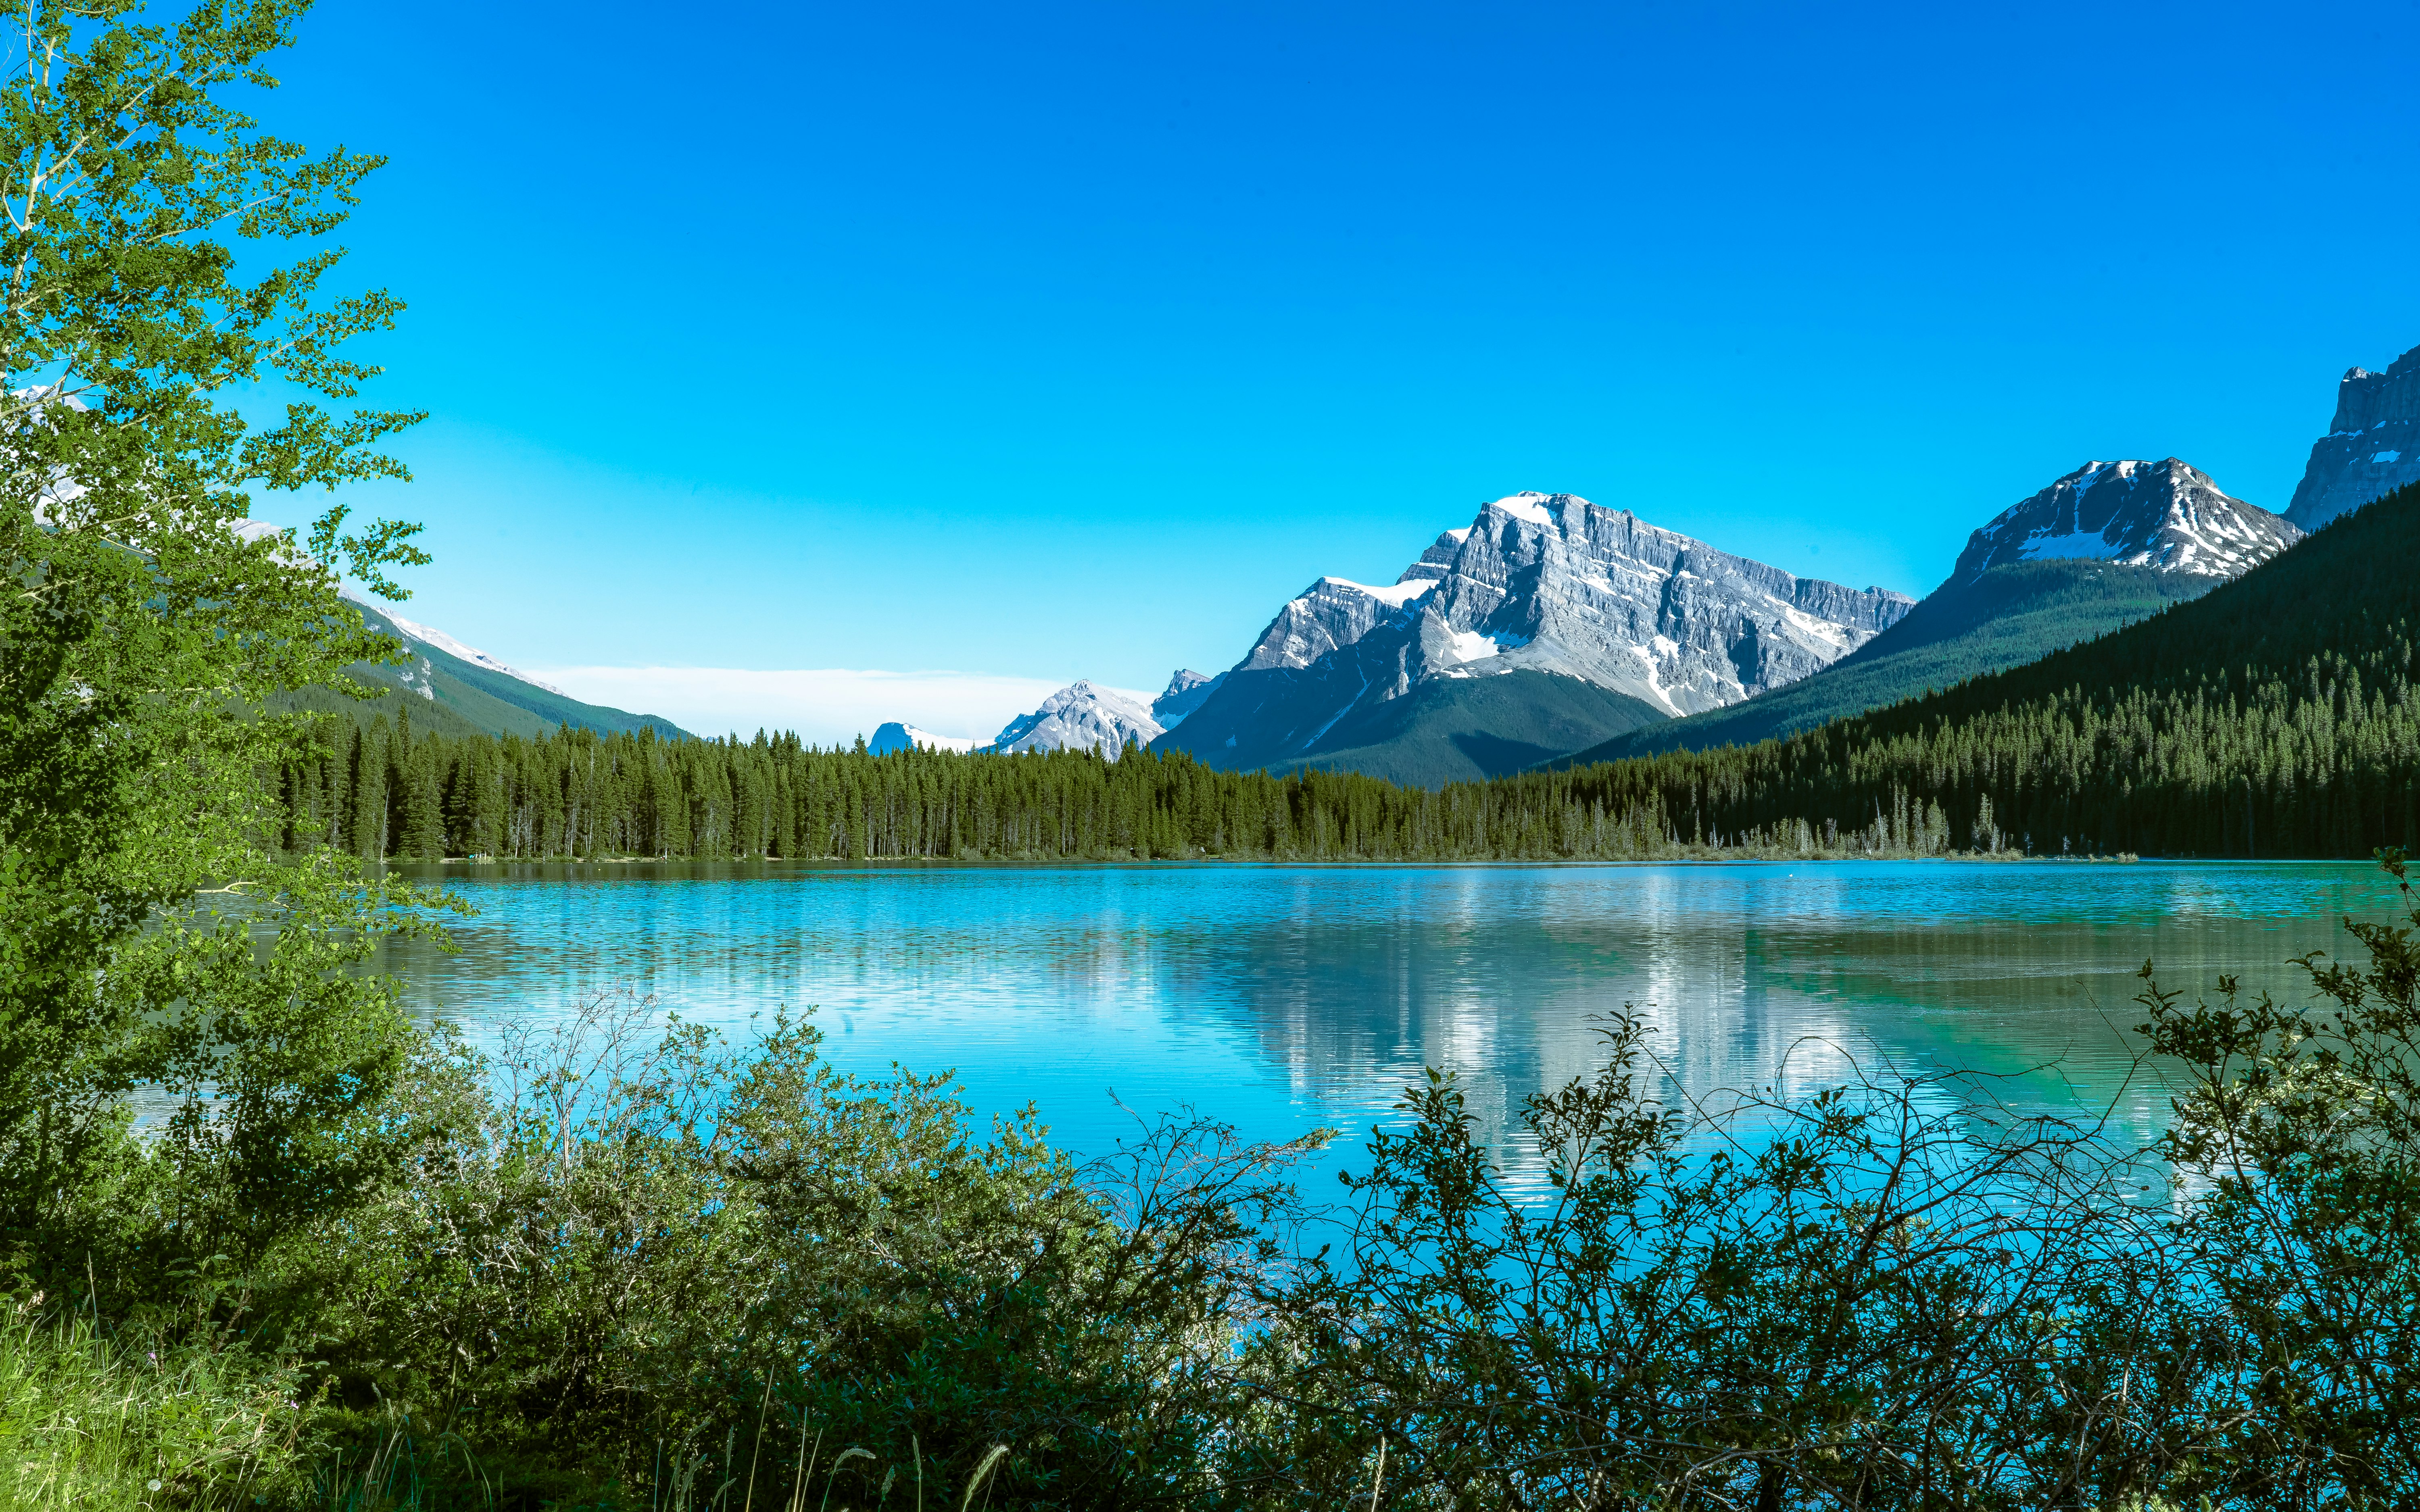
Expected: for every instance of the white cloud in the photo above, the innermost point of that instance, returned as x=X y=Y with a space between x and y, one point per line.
x=825 y=705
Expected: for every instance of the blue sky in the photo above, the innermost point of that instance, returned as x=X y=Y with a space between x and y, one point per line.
x=1029 y=343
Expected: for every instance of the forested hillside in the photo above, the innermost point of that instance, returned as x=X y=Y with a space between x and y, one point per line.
x=454 y=696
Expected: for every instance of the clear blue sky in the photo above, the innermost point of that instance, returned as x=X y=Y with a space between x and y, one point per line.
x=1055 y=340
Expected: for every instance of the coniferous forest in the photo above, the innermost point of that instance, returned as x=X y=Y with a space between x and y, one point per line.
x=2274 y=717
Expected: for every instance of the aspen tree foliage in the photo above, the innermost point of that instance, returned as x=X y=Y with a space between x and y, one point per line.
x=161 y=255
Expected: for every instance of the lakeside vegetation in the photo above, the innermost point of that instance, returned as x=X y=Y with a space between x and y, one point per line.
x=619 y=1262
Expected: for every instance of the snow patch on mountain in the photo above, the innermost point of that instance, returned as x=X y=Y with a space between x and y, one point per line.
x=1394 y=595
x=1466 y=646
x=1530 y=508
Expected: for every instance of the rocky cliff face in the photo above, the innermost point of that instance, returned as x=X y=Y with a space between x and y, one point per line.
x=2163 y=514
x=2372 y=449
x=1551 y=582
x=1538 y=583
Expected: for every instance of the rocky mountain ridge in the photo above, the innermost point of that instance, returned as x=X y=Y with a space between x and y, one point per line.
x=2166 y=515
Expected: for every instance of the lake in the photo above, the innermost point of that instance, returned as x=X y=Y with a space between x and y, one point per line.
x=1283 y=999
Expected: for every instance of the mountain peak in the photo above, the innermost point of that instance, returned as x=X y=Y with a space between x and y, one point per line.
x=1544 y=602
x=1434 y=562
x=1083 y=716
x=2166 y=515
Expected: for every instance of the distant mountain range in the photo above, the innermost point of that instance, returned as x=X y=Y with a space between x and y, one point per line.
x=1082 y=716
x=1553 y=631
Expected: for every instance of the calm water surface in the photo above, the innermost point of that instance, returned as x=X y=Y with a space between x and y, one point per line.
x=1283 y=999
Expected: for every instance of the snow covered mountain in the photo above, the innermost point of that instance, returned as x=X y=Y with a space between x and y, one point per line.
x=1082 y=716
x=1635 y=624
x=2164 y=514
x=2371 y=450
x=1554 y=583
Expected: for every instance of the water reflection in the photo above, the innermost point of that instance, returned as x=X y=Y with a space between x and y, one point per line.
x=1282 y=997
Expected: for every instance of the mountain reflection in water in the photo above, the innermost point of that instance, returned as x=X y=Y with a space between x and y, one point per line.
x=1286 y=997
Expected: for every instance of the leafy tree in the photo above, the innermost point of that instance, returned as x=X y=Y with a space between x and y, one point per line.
x=159 y=250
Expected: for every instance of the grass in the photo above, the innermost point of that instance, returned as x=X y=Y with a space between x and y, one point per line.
x=90 y=1423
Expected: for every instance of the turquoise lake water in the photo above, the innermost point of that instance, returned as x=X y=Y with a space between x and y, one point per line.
x=1283 y=999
